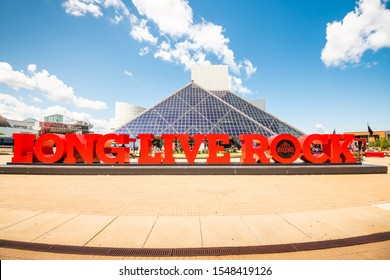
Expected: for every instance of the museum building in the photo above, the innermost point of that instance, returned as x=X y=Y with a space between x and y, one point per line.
x=206 y=106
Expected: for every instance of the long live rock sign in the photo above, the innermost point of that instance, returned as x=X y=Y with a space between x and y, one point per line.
x=111 y=148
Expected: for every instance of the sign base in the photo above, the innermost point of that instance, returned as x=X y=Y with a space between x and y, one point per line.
x=194 y=169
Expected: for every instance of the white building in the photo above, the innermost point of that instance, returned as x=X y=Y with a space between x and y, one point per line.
x=210 y=77
x=125 y=112
x=8 y=126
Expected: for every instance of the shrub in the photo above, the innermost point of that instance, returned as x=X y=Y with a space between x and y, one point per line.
x=384 y=143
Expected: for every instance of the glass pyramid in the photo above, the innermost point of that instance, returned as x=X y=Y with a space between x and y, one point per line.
x=194 y=110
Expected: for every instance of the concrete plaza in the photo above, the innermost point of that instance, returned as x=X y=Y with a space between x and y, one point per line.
x=195 y=212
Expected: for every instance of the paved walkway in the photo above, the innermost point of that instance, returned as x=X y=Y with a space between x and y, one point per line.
x=196 y=212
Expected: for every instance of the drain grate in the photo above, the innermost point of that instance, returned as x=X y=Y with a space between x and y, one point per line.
x=192 y=252
x=80 y=250
x=188 y=252
x=140 y=252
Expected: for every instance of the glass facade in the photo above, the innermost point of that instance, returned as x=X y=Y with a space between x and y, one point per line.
x=193 y=110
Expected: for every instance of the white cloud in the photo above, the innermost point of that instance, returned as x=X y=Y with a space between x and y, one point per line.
x=140 y=32
x=35 y=99
x=235 y=84
x=31 y=67
x=94 y=7
x=172 y=17
x=82 y=102
x=249 y=69
x=182 y=41
x=320 y=128
x=164 y=52
x=209 y=38
x=144 y=51
x=13 y=108
x=128 y=73
x=192 y=43
x=82 y=7
x=14 y=79
x=365 y=28
x=53 y=88
x=116 y=4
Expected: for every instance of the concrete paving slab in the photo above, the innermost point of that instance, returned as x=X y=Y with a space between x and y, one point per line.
x=34 y=227
x=315 y=225
x=125 y=231
x=226 y=231
x=77 y=231
x=273 y=229
x=12 y=217
x=175 y=232
x=356 y=221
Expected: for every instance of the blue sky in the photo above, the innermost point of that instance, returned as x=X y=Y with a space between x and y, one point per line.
x=320 y=65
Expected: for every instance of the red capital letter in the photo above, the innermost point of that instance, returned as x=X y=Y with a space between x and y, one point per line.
x=81 y=148
x=168 y=148
x=214 y=148
x=145 y=156
x=23 y=147
x=108 y=154
x=338 y=148
x=306 y=145
x=190 y=154
x=248 y=143
x=43 y=148
x=284 y=148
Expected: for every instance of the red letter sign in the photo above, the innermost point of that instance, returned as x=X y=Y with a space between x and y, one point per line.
x=285 y=148
x=338 y=148
x=44 y=148
x=168 y=148
x=190 y=154
x=306 y=144
x=23 y=147
x=108 y=154
x=249 y=150
x=81 y=148
x=214 y=149
x=145 y=156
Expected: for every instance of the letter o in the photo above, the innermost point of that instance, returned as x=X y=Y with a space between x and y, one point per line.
x=284 y=148
x=43 y=148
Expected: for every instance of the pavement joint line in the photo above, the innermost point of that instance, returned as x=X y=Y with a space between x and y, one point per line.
x=21 y=220
x=249 y=229
x=201 y=231
x=204 y=251
x=100 y=230
x=294 y=226
x=147 y=237
x=76 y=215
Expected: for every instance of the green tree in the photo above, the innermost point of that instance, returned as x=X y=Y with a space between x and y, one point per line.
x=375 y=144
x=385 y=143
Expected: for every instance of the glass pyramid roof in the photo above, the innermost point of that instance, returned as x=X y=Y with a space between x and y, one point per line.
x=194 y=110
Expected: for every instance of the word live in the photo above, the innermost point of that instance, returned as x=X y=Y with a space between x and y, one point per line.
x=112 y=149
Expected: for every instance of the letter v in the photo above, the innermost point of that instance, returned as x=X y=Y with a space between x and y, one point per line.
x=190 y=154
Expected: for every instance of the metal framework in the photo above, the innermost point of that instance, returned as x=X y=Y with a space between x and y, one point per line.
x=194 y=110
